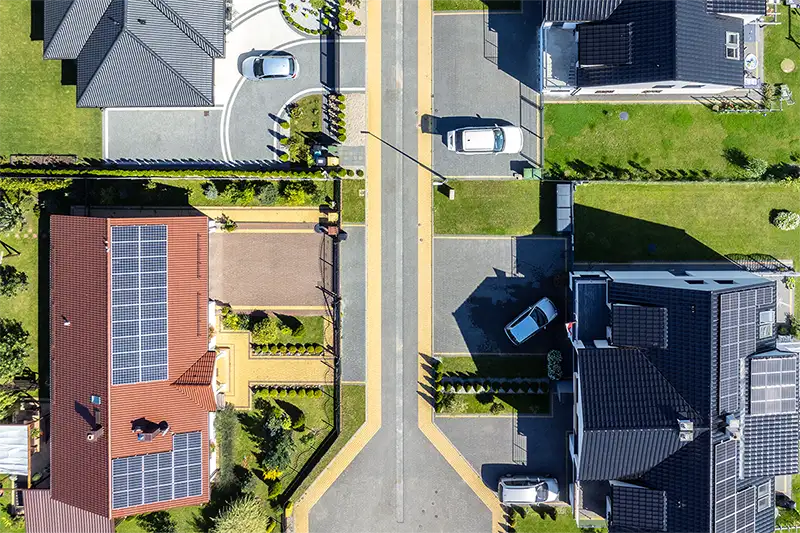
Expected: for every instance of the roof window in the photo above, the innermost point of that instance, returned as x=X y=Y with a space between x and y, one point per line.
x=731 y=45
x=694 y=281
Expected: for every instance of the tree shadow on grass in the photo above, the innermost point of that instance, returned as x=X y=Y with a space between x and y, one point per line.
x=37 y=20
x=221 y=497
x=157 y=522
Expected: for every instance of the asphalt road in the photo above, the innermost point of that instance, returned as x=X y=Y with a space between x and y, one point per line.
x=352 y=257
x=399 y=482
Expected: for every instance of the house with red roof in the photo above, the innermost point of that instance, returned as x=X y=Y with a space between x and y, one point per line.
x=131 y=370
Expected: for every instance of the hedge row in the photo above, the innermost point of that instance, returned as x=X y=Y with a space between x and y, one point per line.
x=10 y=173
x=497 y=387
x=288 y=349
x=289 y=392
x=33 y=185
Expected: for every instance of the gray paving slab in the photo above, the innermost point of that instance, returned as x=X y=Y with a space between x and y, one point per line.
x=352 y=260
x=496 y=446
x=470 y=89
x=163 y=134
x=252 y=130
x=481 y=284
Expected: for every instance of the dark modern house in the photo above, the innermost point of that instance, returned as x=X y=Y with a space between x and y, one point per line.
x=138 y=53
x=686 y=410
x=646 y=46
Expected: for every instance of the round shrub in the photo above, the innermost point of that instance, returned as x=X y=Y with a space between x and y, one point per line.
x=318 y=349
x=285 y=124
x=292 y=393
x=280 y=348
x=282 y=393
x=273 y=393
x=284 y=157
x=284 y=141
x=342 y=137
x=356 y=22
x=272 y=348
x=340 y=97
x=439 y=387
x=271 y=526
x=309 y=347
x=450 y=387
x=275 y=490
x=301 y=393
x=318 y=393
x=360 y=173
x=786 y=220
x=351 y=172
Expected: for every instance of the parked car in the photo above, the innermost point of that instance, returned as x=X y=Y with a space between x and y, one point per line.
x=270 y=66
x=531 y=320
x=784 y=502
x=485 y=140
x=526 y=490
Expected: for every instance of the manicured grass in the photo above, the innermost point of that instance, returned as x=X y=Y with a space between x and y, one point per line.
x=671 y=137
x=182 y=517
x=560 y=522
x=25 y=305
x=475 y=5
x=353 y=412
x=522 y=403
x=37 y=113
x=490 y=208
x=307 y=117
x=314 y=330
x=517 y=366
x=682 y=222
x=353 y=203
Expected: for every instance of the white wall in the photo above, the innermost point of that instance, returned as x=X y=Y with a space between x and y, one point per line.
x=678 y=88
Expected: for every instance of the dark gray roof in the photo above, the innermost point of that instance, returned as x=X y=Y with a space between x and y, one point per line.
x=638 y=509
x=142 y=52
x=640 y=326
x=68 y=25
x=605 y=44
x=744 y=7
x=578 y=10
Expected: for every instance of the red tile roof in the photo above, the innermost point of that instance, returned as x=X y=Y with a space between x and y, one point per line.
x=201 y=372
x=80 y=354
x=46 y=515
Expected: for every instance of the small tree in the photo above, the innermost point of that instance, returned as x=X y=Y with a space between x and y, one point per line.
x=266 y=331
x=11 y=216
x=12 y=280
x=13 y=348
x=786 y=220
x=245 y=514
x=267 y=194
x=554 y=371
x=755 y=169
x=210 y=191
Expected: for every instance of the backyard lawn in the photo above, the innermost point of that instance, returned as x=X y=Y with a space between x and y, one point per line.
x=475 y=5
x=672 y=137
x=353 y=201
x=38 y=113
x=313 y=329
x=490 y=366
x=489 y=208
x=559 y=522
x=482 y=404
x=689 y=221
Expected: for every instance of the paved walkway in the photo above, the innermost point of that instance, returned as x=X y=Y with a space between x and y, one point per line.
x=352 y=256
x=264 y=214
x=240 y=370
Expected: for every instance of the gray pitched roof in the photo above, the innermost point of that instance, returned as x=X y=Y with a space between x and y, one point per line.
x=637 y=325
x=68 y=24
x=578 y=10
x=639 y=509
x=141 y=52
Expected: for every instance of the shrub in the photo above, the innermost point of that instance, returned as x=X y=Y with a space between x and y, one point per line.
x=318 y=349
x=292 y=349
x=272 y=348
x=273 y=393
x=292 y=393
x=11 y=215
x=275 y=489
x=554 y=371
x=360 y=173
x=318 y=393
x=789 y=283
x=265 y=331
x=272 y=474
x=497 y=408
x=284 y=141
x=439 y=387
x=226 y=223
x=754 y=169
x=794 y=326
x=450 y=387
x=299 y=423
x=225 y=424
x=271 y=526
x=12 y=280
x=287 y=511
x=356 y=22
x=342 y=137
x=351 y=172
x=244 y=514
x=301 y=393
x=284 y=124
x=786 y=220
x=284 y=157
x=210 y=190
x=283 y=393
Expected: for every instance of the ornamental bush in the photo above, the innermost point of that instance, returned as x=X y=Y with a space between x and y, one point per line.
x=292 y=393
x=283 y=393
x=265 y=331
x=301 y=393
x=273 y=393
x=554 y=371
x=275 y=489
x=318 y=393
x=318 y=349
x=292 y=349
x=210 y=191
x=360 y=173
x=786 y=220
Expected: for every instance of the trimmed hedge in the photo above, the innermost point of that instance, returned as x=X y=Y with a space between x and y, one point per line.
x=288 y=349
x=282 y=391
x=7 y=172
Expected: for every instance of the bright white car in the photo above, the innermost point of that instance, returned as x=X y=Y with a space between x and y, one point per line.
x=527 y=490
x=485 y=140
x=531 y=320
x=269 y=65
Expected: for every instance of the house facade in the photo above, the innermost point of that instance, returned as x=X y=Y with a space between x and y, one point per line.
x=686 y=409
x=131 y=371
x=138 y=53
x=697 y=47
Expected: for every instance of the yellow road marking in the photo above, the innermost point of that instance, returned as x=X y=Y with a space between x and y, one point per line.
x=425 y=265
x=346 y=455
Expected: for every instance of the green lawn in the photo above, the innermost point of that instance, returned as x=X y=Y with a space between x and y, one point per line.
x=352 y=201
x=561 y=522
x=689 y=221
x=8 y=524
x=482 y=403
x=475 y=5
x=491 y=208
x=314 y=330
x=672 y=137
x=497 y=366
x=183 y=519
x=25 y=305
x=37 y=113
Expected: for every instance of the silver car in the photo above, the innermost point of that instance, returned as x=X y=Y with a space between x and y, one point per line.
x=270 y=66
x=485 y=140
x=527 y=490
x=531 y=320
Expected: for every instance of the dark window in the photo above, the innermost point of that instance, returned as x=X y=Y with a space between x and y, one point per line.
x=693 y=86
x=651 y=91
x=663 y=86
x=724 y=281
x=604 y=92
x=694 y=281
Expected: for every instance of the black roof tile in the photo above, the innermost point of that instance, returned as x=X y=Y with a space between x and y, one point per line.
x=638 y=509
x=640 y=326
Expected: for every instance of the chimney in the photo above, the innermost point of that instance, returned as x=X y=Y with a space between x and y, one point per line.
x=97 y=428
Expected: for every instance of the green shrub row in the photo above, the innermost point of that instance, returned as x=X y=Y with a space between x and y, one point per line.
x=9 y=172
x=289 y=20
x=496 y=387
x=276 y=391
x=289 y=349
x=225 y=424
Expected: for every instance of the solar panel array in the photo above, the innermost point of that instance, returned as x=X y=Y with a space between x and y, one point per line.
x=158 y=477
x=138 y=304
x=764 y=496
x=734 y=512
x=737 y=332
x=773 y=385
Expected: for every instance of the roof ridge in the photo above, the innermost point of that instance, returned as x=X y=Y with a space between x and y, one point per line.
x=643 y=353
x=199 y=373
x=60 y=25
x=160 y=60
x=186 y=28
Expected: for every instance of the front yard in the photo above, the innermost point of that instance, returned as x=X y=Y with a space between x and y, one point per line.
x=581 y=138
x=37 y=109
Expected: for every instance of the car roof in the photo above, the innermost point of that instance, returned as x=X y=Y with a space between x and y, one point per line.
x=478 y=140
x=519 y=494
x=525 y=328
x=276 y=65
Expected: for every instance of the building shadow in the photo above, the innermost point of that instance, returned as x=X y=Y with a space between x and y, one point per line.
x=69 y=72
x=512 y=42
x=37 y=20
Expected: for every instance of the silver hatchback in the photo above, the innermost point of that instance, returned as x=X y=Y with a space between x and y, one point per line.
x=270 y=65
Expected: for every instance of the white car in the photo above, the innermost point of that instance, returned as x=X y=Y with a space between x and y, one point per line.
x=269 y=65
x=485 y=140
x=531 y=320
x=527 y=490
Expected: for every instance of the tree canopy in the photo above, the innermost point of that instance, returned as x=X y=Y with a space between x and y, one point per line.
x=14 y=348
x=245 y=514
x=12 y=280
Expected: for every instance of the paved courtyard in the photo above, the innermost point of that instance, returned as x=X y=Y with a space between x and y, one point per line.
x=476 y=80
x=270 y=266
x=482 y=283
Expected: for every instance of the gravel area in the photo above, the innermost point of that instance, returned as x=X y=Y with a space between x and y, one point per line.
x=361 y=14
x=355 y=119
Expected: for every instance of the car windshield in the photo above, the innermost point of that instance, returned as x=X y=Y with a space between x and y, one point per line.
x=541 y=492
x=258 y=68
x=499 y=140
x=540 y=317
